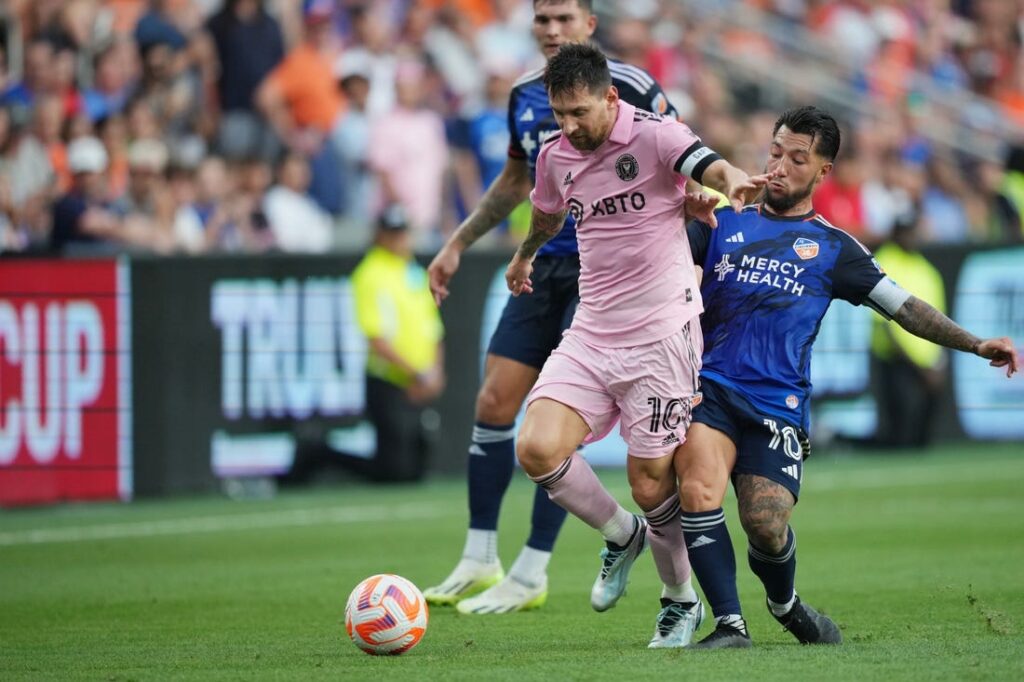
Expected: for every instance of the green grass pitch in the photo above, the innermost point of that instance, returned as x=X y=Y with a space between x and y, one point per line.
x=919 y=558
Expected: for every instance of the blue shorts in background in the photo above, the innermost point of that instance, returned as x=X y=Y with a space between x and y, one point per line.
x=531 y=325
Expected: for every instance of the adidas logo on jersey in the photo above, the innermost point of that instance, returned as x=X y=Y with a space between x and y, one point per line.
x=700 y=542
x=792 y=470
x=670 y=439
x=527 y=115
x=568 y=179
x=735 y=239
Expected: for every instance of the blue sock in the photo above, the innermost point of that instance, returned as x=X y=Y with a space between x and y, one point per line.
x=713 y=560
x=547 y=521
x=776 y=571
x=492 y=458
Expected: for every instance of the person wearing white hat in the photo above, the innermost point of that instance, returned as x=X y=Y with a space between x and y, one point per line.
x=82 y=219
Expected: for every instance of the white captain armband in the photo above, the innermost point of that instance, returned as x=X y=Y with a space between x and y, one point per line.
x=887 y=297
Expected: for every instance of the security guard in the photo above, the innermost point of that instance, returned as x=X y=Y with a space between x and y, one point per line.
x=405 y=368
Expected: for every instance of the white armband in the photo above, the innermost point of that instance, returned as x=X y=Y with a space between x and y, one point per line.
x=887 y=297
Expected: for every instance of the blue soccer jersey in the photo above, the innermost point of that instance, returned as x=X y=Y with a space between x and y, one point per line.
x=767 y=283
x=531 y=121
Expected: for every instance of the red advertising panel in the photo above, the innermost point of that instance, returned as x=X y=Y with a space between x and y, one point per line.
x=65 y=385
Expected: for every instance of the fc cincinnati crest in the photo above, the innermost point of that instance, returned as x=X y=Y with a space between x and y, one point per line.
x=805 y=248
x=626 y=167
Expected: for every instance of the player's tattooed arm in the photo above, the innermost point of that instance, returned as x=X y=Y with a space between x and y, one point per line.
x=543 y=226
x=509 y=189
x=921 y=319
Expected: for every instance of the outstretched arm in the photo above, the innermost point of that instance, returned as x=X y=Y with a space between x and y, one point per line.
x=740 y=188
x=543 y=226
x=921 y=319
x=508 y=190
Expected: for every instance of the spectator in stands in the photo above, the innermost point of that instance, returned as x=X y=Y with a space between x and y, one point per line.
x=995 y=214
x=352 y=145
x=28 y=176
x=113 y=132
x=299 y=225
x=115 y=79
x=405 y=368
x=942 y=205
x=301 y=100
x=40 y=56
x=375 y=57
x=839 y=198
x=409 y=153
x=48 y=127
x=235 y=29
x=909 y=372
x=214 y=212
x=480 y=140
x=148 y=204
x=82 y=219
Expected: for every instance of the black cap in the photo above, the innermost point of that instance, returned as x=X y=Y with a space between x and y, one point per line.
x=392 y=219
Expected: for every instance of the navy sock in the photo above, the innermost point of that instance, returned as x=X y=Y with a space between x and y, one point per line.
x=492 y=458
x=547 y=521
x=712 y=559
x=776 y=571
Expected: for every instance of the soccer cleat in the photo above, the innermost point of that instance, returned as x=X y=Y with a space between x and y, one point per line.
x=724 y=637
x=505 y=597
x=615 y=564
x=469 y=577
x=676 y=624
x=809 y=626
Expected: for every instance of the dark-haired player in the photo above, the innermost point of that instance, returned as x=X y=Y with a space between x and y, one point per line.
x=529 y=329
x=770 y=273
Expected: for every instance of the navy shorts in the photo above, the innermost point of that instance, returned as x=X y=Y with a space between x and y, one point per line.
x=766 y=446
x=531 y=325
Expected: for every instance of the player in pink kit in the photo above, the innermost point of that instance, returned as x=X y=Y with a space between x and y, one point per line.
x=633 y=351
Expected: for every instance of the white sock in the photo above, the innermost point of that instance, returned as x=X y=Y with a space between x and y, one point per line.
x=620 y=528
x=733 y=620
x=782 y=609
x=481 y=545
x=681 y=593
x=530 y=567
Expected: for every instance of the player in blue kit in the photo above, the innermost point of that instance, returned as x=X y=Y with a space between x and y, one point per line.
x=529 y=329
x=770 y=273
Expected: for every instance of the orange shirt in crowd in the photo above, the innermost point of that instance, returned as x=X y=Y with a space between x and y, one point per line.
x=306 y=81
x=479 y=11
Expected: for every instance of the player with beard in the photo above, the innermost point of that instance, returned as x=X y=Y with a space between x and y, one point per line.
x=632 y=353
x=529 y=329
x=770 y=273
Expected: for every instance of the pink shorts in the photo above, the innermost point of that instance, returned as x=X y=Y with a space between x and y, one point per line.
x=650 y=388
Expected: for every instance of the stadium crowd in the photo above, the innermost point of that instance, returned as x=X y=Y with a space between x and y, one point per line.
x=252 y=125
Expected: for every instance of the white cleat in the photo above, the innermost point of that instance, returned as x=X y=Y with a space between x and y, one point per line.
x=676 y=624
x=469 y=577
x=615 y=564
x=507 y=596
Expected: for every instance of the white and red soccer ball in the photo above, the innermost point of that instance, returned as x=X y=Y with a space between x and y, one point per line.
x=386 y=615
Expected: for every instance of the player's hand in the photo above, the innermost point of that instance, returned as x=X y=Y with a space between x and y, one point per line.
x=441 y=270
x=700 y=206
x=747 y=192
x=517 y=276
x=1000 y=352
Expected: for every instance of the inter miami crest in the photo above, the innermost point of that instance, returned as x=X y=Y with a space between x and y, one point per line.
x=626 y=167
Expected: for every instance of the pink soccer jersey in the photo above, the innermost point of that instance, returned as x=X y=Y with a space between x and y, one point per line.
x=637 y=280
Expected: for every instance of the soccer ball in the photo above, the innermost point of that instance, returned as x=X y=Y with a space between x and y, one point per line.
x=386 y=614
